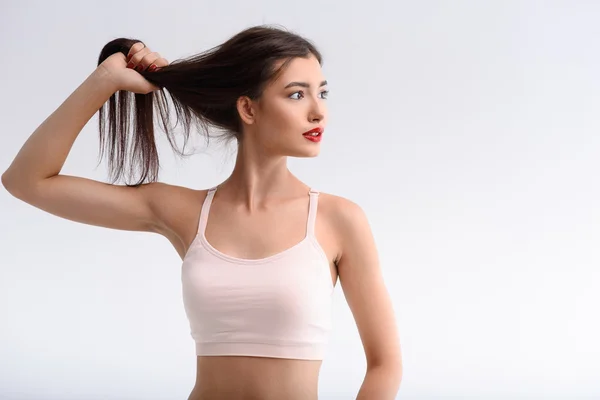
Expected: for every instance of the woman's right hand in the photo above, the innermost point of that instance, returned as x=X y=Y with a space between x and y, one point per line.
x=122 y=70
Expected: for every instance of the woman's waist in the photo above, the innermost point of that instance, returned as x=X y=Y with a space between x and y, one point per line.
x=244 y=377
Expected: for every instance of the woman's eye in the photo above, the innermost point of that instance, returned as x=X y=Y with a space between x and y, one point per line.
x=300 y=93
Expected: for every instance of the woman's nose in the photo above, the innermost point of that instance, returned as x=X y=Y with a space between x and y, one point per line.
x=317 y=111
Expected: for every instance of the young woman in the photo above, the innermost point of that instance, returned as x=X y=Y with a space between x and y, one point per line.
x=259 y=262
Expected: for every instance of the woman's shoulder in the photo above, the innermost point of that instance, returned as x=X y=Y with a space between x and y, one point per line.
x=173 y=203
x=335 y=200
x=339 y=208
x=168 y=193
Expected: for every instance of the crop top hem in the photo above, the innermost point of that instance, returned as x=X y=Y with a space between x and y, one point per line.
x=299 y=352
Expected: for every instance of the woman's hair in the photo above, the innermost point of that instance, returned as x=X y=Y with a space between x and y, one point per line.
x=204 y=89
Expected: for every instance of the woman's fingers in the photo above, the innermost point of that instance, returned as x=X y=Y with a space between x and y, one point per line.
x=136 y=53
x=141 y=58
x=152 y=61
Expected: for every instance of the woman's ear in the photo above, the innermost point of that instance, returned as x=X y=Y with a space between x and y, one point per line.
x=247 y=109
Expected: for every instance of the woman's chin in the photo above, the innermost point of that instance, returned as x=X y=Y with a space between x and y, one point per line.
x=307 y=153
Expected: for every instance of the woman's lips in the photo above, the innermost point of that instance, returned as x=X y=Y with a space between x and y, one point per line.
x=314 y=135
x=316 y=138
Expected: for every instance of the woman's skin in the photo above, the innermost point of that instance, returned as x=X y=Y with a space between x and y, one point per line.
x=259 y=193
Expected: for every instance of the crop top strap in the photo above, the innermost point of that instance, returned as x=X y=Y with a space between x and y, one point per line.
x=312 y=212
x=205 y=210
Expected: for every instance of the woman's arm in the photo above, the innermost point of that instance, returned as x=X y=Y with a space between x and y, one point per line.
x=34 y=177
x=368 y=299
x=44 y=153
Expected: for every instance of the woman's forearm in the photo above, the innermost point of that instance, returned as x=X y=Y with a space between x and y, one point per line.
x=380 y=383
x=45 y=151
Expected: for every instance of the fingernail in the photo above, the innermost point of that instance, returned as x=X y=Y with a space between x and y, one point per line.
x=139 y=68
x=129 y=57
x=152 y=67
x=130 y=65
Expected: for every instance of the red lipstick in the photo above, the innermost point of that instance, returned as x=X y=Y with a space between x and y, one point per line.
x=314 y=135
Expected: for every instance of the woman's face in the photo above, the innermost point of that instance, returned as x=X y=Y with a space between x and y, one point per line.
x=291 y=105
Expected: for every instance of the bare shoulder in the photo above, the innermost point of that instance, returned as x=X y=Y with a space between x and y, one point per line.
x=177 y=210
x=340 y=210
x=174 y=206
x=164 y=194
x=342 y=222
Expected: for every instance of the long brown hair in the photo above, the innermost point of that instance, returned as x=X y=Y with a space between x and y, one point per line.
x=203 y=88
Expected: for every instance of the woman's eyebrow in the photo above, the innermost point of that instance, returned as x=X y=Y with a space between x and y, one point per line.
x=303 y=84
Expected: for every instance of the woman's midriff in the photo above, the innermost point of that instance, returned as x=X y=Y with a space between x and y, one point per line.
x=254 y=378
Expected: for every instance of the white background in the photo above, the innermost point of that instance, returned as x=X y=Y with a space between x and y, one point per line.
x=467 y=130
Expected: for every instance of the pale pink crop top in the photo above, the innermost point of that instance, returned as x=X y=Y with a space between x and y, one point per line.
x=279 y=306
